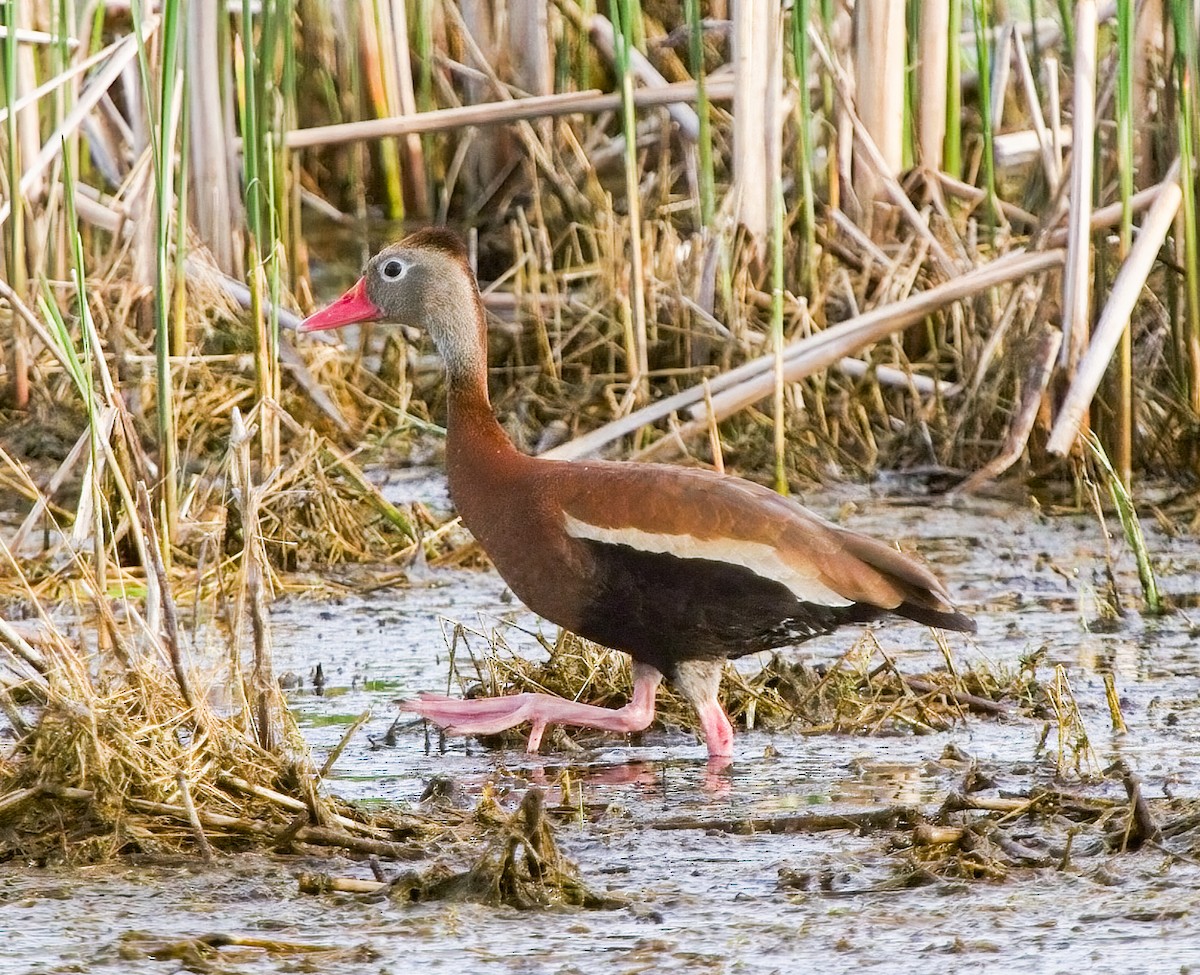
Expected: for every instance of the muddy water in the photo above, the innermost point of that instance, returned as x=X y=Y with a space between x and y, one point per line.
x=706 y=901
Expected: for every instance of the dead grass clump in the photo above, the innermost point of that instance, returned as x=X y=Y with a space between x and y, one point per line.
x=983 y=833
x=520 y=867
x=862 y=692
x=108 y=760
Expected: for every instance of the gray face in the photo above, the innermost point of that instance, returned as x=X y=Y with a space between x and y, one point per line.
x=398 y=283
x=435 y=292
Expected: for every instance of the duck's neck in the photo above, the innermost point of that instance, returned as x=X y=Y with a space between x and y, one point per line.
x=477 y=448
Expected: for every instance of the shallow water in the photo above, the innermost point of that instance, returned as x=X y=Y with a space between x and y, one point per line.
x=703 y=900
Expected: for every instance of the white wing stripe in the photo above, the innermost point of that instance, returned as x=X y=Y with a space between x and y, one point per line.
x=758 y=557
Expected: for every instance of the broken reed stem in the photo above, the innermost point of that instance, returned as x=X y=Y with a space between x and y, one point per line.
x=264 y=699
x=1089 y=368
x=504 y=112
x=331 y=760
x=1131 y=525
x=170 y=617
x=185 y=796
x=1114 y=704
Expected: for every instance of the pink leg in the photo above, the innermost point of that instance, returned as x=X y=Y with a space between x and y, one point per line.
x=699 y=681
x=491 y=715
x=718 y=732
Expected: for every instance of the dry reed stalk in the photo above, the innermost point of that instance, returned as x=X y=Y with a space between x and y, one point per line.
x=215 y=208
x=502 y=113
x=1053 y=108
x=263 y=701
x=933 y=44
x=529 y=47
x=1114 y=318
x=1105 y=217
x=757 y=95
x=63 y=78
x=1017 y=149
x=170 y=618
x=880 y=32
x=1051 y=164
x=27 y=36
x=185 y=794
x=490 y=151
x=1001 y=62
x=1076 y=289
x=1149 y=43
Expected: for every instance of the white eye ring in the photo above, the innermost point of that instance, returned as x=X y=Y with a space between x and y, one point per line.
x=393 y=270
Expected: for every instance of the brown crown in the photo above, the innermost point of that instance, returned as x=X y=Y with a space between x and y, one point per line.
x=438 y=239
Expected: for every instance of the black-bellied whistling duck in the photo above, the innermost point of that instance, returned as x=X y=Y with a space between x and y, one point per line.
x=680 y=568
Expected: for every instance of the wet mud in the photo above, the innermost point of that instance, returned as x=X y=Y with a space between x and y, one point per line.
x=717 y=869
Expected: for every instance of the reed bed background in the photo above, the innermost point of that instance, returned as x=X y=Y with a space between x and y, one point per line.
x=802 y=239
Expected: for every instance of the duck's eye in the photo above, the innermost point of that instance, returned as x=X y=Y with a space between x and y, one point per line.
x=393 y=270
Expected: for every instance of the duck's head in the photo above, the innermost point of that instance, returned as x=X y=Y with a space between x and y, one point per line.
x=424 y=281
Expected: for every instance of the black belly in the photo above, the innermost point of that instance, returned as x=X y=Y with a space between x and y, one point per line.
x=662 y=610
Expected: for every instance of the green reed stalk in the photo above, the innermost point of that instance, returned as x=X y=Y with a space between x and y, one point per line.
x=983 y=62
x=81 y=370
x=801 y=17
x=1125 y=56
x=162 y=147
x=1183 y=23
x=289 y=163
x=1066 y=16
x=623 y=12
x=912 y=54
x=777 y=221
x=583 y=70
x=423 y=39
x=952 y=144
x=265 y=185
x=696 y=55
x=179 y=331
